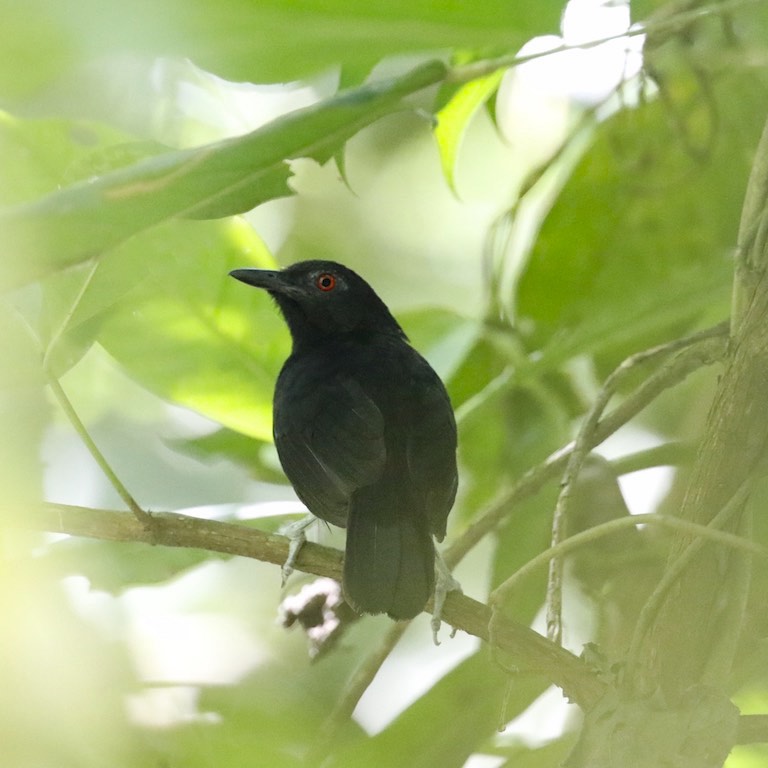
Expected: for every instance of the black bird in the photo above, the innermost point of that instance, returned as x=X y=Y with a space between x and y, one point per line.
x=365 y=432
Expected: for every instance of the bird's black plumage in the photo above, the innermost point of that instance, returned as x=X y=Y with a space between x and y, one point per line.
x=364 y=430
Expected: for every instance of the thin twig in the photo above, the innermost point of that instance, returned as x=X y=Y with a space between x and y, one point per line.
x=654 y=26
x=69 y=410
x=708 y=350
x=61 y=396
x=356 y=686
x=64 y=323
x=601 y=531
x=672 y=454
x=581 y=447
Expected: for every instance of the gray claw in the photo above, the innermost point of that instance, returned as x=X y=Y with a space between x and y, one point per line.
x=444 y=583
x=295 y=533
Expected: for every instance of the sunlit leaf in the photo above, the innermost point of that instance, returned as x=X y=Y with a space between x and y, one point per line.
x=246 y=451
x=189 y=332
x=268 y=41
x=23 y=416
x=454 y=118
x=407 y=742
x=636 y=246
x=40 y=156
x=232 y=176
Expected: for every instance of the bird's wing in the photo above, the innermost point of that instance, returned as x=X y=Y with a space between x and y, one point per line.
x=431 y=453
x=330 y=442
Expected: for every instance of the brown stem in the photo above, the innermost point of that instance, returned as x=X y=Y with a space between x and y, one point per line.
x=529 y=649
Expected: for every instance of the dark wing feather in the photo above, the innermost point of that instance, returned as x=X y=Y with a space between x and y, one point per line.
x=330 y=440
x=431 y=453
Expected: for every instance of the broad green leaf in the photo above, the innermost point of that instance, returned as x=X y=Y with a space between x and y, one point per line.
x=27 y=30
x=635 y=248
x=115 y=566
x=23 y=416
x=525 y=533
x=231 y=176
x=268 y=41
x=444 y=338
x=521 y=755
x=236 y=447
x=37 y=157
x=454 y=118
x=40 y=156
x=408 y=742
x=241 y=449
x=79 y=300
x=189 y=332
x=508 y=417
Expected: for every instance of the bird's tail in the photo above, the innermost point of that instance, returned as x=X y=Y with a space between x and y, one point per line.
x=389 y=565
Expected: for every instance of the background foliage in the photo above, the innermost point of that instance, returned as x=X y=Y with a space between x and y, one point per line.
x=139 y=163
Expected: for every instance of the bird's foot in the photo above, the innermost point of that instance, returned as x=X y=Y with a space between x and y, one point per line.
x=294 y=532
x=444 y=583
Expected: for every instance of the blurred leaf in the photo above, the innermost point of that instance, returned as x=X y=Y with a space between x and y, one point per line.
x=443 y=337
x=614 y=265
x=55 y=669
x=26 y=31
x=268 y=41
x=231 y=176
x=270 y=718
x=509 y=418
x=421 y=737
x=36 y=157
x=115 y=566
x=241 y=449
x=509 y=432
x=454 y=118
x=526 y=532
x=23 y=416
x=636 y=247
x=547 y=756
x=79 y=300
x=40 y=156
x=189 y=332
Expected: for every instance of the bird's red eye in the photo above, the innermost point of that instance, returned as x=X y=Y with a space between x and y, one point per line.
x=325 y=282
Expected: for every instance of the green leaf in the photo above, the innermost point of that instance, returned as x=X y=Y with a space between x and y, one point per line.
x=268 y=41
x=228 y=177
x=39 y=156
x=23 y=416
x=407 y=742
x=189 y=332
x=509 y=418
x=115 y=566
x=635 y=247
x=454 y=118
x=248 y=452
x=444 y=338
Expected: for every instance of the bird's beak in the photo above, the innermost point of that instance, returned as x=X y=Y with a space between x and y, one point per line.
x=269 y=279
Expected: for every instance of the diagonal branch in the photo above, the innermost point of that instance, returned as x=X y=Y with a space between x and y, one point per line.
x=709 y=349
x=527 y=649
x=530 y=649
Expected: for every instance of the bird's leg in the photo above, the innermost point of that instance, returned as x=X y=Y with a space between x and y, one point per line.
x=294 y=532
x=444 y=583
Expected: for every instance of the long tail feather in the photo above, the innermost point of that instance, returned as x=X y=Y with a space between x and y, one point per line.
x=390 y=556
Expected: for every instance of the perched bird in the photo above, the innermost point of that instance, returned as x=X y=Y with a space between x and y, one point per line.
x=365 y=432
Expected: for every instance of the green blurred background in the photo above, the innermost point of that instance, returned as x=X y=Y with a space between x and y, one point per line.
x=528 y=244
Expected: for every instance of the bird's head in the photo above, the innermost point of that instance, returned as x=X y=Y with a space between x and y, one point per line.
x=323 y=298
